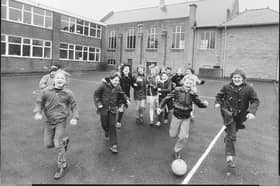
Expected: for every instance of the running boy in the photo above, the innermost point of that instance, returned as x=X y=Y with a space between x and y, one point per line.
x=182 y=98
x=139 y=85
x=238 y=102
x=106 y=102
x=55 y=102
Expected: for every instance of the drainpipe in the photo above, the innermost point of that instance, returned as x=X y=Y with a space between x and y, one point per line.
x=120 y=37
x=193 y=45
x=224 y=56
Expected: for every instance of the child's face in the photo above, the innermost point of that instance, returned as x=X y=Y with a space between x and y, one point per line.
x=153 y=71
x=59 y=80
x=126 y=70
x=188 y=83
x=168 y=71
x=164 y=77
x=188 y=71
x=140 y=70
x=179 y=71
x=115 y=81
x=237 y=79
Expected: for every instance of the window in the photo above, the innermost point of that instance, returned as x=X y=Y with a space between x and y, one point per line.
x=78 y=52
x=3 y=44
x=112 y=40
x=111 y=62
x=79 y=26
x=131 y=38
x=178 y=37
x=3 y=10
x=25 y=47
x=23 y=13
x=207 y=40
x=152 y=39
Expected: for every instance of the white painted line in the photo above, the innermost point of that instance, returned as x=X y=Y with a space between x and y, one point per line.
x=196 y=166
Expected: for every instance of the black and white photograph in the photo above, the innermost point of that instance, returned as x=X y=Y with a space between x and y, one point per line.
x=140 y=92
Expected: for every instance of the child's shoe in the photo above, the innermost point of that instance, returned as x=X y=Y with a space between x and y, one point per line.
x=114 y=148
x=118 y=125
x=230 y=163
x=59 y=173
x=158 y=124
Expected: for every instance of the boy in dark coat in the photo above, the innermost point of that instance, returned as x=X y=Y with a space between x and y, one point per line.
x=106 y=102
x=238 y=102
x=182 y=98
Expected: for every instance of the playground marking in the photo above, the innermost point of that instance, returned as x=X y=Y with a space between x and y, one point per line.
x=203 y=156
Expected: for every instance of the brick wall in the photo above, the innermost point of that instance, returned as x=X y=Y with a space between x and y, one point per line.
x=253 y=49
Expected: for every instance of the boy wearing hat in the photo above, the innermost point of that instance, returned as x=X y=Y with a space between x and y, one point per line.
x=238 y=102
x=56 y=102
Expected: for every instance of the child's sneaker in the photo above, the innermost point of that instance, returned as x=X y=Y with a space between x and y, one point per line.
x=65 y=142
x=114 y=148
x=158 y=124
x=59 y=173
x=118 y=125
x=231 y=164
x=151 y=123
x=177 y=155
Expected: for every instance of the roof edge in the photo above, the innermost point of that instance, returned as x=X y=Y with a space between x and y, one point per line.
x=248 y=25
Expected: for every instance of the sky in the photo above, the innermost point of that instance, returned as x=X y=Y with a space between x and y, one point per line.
x=96 y=9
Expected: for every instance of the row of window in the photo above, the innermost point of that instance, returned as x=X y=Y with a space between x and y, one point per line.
x=78 y=26
x=111 y=62
x=79 y=52
x=207 y=39
x=23 y=13
x=25 y=47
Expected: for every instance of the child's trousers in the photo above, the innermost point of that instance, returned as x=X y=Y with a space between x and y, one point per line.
x=53 y=135
x=108 y=122
x=180 y=128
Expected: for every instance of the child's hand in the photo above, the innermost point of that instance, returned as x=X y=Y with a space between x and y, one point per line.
x=159 y=89
x=100 y=106
x=38 y=116
x=135 y=84
x=217 y=105
x=73 y=121
x=250 y=116
x=205 y=102
x=158 y=110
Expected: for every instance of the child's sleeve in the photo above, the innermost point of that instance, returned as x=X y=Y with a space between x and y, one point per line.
x=168 y=97
x=43 y=82
x=39 y=103
x=198 y=102
x=73 y=106
x=98 y=95
x=254 y=101
x=220 y=96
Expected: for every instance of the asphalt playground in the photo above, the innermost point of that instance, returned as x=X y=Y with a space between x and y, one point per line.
x=145 y=153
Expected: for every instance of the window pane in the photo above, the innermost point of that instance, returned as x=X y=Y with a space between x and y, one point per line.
x=78 y=55
x=71 y=46
x=14 y=49
x=3 y=48
x=38 y=11
x=26 y=41
x=27 y=17
x=63 y=45
x=15 y=15
x=80 y=29
x=79 y=21
x=72 y=27
x=79 y=47
x=48 y=13
x=27 y=7
x=63 y=54
x=14 y=39
x=37 y=42
x=3 y=2
x=15 y=4
x=91 y=56
x=3 y=38
x=47 y=43
x=92 y=49
x=37 y=52
x=64 y=26
x=92 y=25
x=85 y=55
x=97 y=50
x=3 y=12
x=98 y=33
x=38 y=20
x=97 y=57
x=47 y=52
x=64 y=18
x=26 y=50
x=86 y=31
x=71 y=54
x=48 y=22
x=92 y=32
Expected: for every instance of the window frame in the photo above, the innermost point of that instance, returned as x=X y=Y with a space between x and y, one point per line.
x=206 y=43
x=112 y=40
x=153 y=35
x=177 y=34
x=131 y=38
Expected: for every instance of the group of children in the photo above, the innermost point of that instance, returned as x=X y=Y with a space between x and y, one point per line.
x=168 y=96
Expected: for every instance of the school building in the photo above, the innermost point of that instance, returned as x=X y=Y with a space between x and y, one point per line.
x=34 y=37
x=211 y=36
